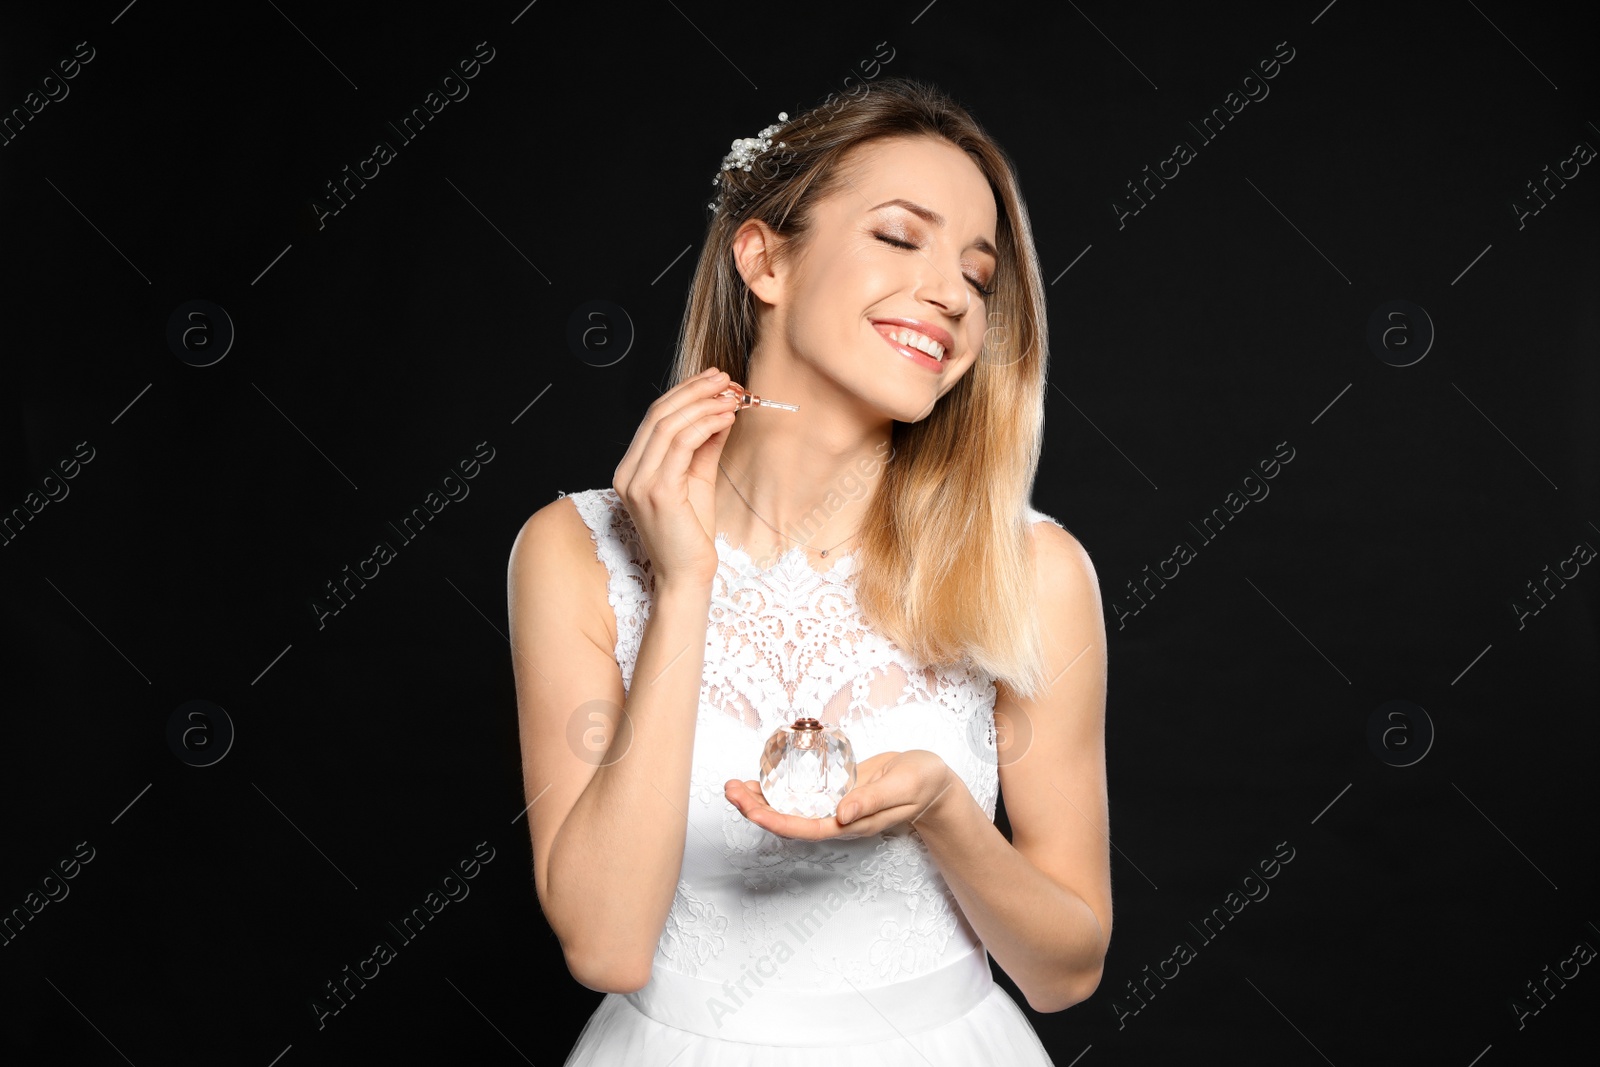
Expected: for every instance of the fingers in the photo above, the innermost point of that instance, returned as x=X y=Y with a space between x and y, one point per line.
x=670 y=403
x=678 y=428
x=871 y=769
x=703 y=461
x=858 y=815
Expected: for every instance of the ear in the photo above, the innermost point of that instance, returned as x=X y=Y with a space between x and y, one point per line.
x=752 y=247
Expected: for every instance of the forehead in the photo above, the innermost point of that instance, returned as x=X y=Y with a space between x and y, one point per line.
x=927 y=171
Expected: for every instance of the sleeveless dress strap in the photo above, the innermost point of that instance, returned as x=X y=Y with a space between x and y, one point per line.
x=1035 y=515
x=630 y=582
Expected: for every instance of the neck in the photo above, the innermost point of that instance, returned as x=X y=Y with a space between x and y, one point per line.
x=811 y=473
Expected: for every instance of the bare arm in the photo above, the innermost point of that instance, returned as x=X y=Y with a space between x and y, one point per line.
x=609 y=793
x=1042 y=903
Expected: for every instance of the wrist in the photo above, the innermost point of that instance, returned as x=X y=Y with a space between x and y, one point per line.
x=946 y=803
x=693 y=593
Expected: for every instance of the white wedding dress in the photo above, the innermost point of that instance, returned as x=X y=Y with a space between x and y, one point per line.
x=790 y=953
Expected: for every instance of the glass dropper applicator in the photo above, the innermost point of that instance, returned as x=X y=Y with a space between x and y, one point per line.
x=751 y=400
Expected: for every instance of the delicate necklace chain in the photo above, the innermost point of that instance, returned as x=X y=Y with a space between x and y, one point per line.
x=757 y=514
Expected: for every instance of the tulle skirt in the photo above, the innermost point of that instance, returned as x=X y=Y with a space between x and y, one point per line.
x=954 y=1017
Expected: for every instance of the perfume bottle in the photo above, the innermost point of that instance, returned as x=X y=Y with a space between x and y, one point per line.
x=747 y=400
x=806 y=768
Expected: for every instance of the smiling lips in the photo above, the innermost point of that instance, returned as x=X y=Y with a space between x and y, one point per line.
x=913 y=344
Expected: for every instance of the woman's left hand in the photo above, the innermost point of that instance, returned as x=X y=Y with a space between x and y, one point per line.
x=891 y=788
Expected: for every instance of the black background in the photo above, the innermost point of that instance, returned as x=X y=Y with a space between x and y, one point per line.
x=375 y=351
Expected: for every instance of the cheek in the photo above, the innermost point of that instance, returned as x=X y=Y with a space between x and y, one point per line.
x=841 y=301
x=977 y=331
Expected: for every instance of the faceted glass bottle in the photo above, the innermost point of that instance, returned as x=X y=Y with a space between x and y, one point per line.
x=806 y=768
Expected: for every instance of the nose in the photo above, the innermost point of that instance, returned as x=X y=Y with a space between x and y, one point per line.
x=946 y=289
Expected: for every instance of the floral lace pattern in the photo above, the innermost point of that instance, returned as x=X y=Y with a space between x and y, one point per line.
x=693 y=933
x=782 y=641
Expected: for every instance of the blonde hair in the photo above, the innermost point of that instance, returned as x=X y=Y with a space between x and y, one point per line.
x=943 y=564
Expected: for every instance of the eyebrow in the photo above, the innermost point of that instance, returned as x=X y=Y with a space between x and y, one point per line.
x=931 y=216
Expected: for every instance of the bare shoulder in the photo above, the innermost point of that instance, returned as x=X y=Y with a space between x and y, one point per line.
x=1056 y=798
x=1071 y=613
x=554 y=555
x=1063 y=566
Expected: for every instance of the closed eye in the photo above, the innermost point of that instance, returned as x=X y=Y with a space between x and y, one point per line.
x=886 y=239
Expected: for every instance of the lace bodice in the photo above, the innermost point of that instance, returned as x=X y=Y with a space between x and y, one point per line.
x=780 y=642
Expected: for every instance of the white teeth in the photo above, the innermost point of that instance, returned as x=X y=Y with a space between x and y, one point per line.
x=912 y=339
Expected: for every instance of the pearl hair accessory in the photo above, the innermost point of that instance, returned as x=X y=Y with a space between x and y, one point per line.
x=745 y=150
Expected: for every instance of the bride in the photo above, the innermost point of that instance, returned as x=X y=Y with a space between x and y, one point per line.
x=869 y=559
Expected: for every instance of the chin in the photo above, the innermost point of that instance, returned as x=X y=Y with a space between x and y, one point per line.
x=901 y=411
x=909 y=401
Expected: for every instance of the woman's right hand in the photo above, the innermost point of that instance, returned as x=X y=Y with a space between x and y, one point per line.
x=668 y=478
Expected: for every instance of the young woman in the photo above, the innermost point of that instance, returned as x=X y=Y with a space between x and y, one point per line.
x=870 y=560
